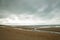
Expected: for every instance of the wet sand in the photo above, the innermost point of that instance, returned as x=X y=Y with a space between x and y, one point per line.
x=15 y=34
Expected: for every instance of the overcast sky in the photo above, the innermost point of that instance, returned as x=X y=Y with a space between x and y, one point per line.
x=30 y=12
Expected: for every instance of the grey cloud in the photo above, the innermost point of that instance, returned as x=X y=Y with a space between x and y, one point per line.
x=23 y=6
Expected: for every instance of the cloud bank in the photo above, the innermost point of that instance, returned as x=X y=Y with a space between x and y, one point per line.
x=29 y=12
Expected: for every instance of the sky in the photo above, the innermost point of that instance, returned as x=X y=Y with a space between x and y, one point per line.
x=30 y=12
